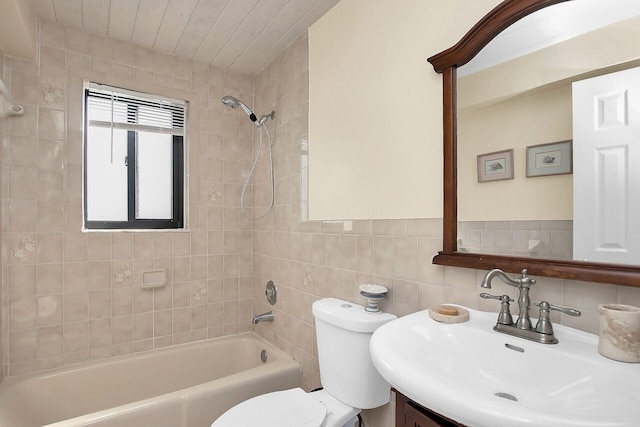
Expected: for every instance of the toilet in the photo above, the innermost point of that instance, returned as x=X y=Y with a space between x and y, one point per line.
x=349 y=379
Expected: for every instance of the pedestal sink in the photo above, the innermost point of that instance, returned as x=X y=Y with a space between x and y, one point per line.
x=481 y=378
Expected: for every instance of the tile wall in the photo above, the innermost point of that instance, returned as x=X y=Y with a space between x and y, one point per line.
x=69 y=296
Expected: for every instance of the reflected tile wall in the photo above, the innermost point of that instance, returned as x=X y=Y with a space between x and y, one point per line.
x=543 y=238
x=69 y=296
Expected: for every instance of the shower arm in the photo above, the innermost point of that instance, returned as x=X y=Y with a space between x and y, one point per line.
x=265 y=117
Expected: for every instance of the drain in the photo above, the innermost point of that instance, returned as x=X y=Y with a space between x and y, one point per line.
x=514 y=347
x=507 y=396
x=263 y=356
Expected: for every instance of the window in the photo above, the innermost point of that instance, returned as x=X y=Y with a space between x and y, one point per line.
x=133 y=160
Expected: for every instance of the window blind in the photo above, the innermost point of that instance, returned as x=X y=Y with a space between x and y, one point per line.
x=124 y=109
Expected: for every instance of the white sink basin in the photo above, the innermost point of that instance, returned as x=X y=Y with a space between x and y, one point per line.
x=470 y=373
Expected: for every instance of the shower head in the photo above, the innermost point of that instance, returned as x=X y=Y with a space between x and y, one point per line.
x=232 y=102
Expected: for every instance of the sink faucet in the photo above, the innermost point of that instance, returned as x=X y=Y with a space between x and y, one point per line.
x=523 y=283
x=543 y=331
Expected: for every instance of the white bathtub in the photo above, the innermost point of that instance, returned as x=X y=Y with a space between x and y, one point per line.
x=183 y=386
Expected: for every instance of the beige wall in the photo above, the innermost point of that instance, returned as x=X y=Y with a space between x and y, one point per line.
x=375 y=108
x=70 y=296
x=514 y=124
x=375 y=128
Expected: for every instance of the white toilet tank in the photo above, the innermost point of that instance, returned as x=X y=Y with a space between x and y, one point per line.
x=343 y=332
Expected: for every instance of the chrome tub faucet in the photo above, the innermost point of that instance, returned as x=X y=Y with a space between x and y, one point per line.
x=523 y=328
x=264 y=317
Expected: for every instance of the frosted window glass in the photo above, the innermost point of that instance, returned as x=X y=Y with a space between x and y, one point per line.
x=106 y=174
x=154 y=176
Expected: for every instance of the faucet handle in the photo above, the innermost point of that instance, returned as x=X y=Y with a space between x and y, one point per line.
x=544 y=323
x=500 y=298
x=545 y=305
x=504 y=317
x=566 y=310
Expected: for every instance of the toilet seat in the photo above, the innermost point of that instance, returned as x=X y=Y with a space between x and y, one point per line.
x=288 y=408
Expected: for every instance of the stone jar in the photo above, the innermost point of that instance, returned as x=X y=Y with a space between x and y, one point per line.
x=619 y=332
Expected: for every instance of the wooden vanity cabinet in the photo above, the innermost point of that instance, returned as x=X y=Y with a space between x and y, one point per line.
x=411 y=414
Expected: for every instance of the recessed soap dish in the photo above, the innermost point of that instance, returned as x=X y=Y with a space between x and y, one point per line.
x=153 y=278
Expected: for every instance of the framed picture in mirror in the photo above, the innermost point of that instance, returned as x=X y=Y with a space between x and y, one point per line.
x=554 y=158
x=495 y=166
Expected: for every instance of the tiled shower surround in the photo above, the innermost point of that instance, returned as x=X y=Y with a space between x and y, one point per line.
x=70 y=297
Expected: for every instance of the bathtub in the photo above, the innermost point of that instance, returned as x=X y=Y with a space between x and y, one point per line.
x=189 y=385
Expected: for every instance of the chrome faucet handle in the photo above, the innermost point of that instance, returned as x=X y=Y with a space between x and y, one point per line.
x=566 y=310
x=504 y=317
x=500 y=298
x=544 y=325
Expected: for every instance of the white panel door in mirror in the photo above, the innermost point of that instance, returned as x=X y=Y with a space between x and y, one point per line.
x=606 y=148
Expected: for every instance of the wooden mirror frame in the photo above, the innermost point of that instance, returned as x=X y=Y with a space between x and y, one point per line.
x=447 y=63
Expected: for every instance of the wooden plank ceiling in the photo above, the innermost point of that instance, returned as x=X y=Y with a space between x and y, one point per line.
x=239 y=35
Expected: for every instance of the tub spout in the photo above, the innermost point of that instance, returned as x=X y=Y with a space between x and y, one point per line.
x=264 y=317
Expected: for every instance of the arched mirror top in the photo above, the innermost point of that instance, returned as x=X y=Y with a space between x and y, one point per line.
x=501 y=17
x=446 y=63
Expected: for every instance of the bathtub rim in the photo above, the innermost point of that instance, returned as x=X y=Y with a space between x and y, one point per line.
x=11 y=380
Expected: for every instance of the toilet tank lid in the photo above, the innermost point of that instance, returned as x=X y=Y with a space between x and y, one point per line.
x=349 y=315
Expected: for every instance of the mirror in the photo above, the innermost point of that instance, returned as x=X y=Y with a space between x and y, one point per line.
x=517 y=93
x=447 y=63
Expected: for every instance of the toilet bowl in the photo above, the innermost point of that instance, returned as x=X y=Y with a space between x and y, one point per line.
x=350 y=380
